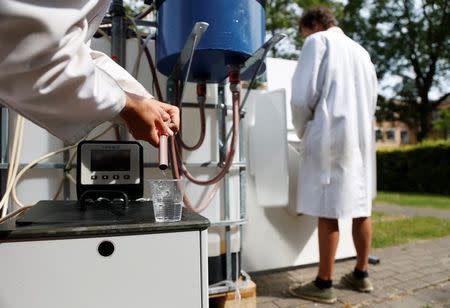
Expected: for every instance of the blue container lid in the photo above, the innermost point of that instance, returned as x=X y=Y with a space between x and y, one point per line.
x=159 y=2
x=236 y=30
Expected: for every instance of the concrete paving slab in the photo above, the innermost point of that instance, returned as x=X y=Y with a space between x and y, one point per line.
x=410 y=210
x=436 y=294
x=405 y=302
x=266 y=305
x=410 y=275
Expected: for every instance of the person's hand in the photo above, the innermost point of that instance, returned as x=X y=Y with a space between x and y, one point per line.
x=147 y=119
x=174 y=113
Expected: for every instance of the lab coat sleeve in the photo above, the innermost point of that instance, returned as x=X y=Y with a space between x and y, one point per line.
x=374 y=155
x=375 y=91
x=307 y=83
x=124 y=79
x=47 y=73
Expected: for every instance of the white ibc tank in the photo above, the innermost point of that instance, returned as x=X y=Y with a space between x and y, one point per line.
x=206 y=153
x=41 y=184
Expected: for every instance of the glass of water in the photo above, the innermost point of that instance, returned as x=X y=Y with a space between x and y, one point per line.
x=167 y=197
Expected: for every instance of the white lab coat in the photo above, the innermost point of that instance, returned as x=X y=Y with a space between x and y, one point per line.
x=334 y=94
x=49 y=74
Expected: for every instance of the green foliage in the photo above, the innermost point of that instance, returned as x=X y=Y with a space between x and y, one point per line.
x=420 y=168
x=442 y=125
x=414 y=199
x=282 y=16
x=133 y=7
x=402 y=35
x=408 y=39
x=394 y=230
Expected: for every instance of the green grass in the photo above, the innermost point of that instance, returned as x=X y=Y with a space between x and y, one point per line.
x=394 y=230
x=413 y=199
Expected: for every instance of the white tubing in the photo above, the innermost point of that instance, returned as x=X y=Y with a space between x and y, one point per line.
x=5 y=198
x=15 y=213
x=70 y=177
x=48 y=155
x=31 y=165
x=14 y=163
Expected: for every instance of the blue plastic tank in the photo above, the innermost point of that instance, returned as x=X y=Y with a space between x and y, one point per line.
x=236 y=30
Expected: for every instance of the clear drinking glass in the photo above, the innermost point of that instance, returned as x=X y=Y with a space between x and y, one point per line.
x=167 y=197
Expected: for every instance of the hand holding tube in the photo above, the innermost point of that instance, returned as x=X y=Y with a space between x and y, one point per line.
x=149 y=119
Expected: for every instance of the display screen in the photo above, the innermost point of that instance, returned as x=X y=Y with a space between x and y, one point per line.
x=110 y=160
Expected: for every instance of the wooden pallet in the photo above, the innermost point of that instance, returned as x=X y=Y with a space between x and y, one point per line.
x=228 y=299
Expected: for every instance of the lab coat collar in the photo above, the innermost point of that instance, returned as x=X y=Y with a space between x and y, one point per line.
x=335 y=29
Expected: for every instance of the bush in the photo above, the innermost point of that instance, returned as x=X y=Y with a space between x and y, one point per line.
x=420 y=168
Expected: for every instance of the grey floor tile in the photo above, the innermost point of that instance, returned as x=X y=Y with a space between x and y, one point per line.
x=266 y=305
x=439 y=293
x=403 y=271
x=435 y=278
x=405 y=302
x=412 y=285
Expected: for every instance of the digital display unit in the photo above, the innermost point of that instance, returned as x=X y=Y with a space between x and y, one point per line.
x=110 y=160
x=107 y=166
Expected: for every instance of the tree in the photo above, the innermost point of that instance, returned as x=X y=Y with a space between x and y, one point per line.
x=282 y=16
x=409 y=40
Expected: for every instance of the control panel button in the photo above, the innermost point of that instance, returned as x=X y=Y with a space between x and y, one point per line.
x=93 y=177
x=105 y=177
x=115 y=177
x=126 y=176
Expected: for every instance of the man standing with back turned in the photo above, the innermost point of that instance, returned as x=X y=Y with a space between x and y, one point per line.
x=334 y=94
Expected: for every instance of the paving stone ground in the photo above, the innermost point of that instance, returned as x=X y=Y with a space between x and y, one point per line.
x=410 y=275
x=411 y=210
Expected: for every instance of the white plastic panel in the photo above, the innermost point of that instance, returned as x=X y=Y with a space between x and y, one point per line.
x=268 y=148
x=37 y=142
x=191 y=132
x=294 y=164
x=216 y=241
x=37 y=184
x=274 y=238
x=144 y=271
x=279 y=76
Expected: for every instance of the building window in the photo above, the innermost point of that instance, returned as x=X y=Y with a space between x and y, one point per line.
x=390 y=135
x=378 y=134
x=404 y=137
